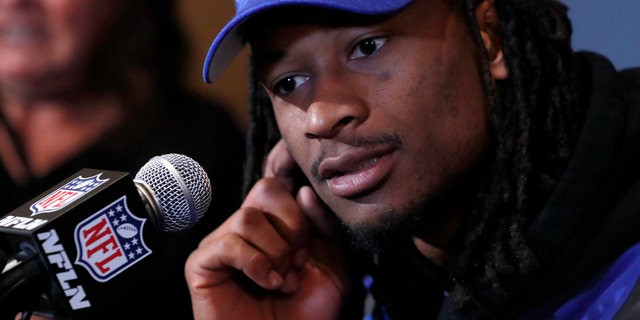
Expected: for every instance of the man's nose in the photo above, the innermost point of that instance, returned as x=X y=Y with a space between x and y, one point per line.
x=338 y=104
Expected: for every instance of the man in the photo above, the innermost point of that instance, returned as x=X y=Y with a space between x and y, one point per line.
x=487 y=169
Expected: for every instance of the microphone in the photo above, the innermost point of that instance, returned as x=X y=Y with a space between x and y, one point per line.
x=81 y=248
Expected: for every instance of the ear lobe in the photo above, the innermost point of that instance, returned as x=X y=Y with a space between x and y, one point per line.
x=489 y=25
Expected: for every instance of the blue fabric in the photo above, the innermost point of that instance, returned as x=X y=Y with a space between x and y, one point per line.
x=228 y=43
x=604 y=299
x=374 y=311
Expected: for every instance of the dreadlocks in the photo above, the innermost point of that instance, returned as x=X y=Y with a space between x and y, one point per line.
x=533 y=116
x=536 y=122
x=262 y=133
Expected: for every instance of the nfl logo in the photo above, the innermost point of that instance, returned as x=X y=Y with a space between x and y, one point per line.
x=66 y=194
x=110 y=241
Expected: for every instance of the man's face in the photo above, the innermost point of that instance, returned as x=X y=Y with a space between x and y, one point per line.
x=382 y=118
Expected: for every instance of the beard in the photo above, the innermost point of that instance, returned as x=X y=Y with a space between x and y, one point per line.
x=424 y=218
x=396 y=228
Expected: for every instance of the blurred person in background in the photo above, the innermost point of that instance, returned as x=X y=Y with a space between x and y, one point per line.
x=98 y=84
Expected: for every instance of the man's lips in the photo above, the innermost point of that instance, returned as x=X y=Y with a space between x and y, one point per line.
x=355 y=172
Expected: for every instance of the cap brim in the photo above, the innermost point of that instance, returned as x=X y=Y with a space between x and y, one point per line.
x=225 y=47
x=229 y=42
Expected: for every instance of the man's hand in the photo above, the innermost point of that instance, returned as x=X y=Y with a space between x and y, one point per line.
x=273 y=258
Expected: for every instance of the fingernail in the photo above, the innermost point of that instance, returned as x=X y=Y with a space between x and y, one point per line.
x=301 y=257
x=275 y=279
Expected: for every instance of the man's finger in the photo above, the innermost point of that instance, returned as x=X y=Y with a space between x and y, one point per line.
x=280 y=164
x=321 y=217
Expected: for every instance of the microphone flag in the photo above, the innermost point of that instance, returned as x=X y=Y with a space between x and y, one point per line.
x=90 y=238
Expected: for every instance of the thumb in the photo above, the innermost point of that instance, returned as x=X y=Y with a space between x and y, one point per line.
x=321 y=217
x=281 y=165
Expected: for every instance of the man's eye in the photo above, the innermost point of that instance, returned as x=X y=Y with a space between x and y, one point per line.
x=368 y=47
x=288 y=84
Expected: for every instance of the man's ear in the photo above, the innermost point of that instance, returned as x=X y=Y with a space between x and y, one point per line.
x=489 y=25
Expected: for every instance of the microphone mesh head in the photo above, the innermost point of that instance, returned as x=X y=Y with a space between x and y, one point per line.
x=181 y=189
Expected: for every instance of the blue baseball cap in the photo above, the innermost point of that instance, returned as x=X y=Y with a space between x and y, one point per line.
x=228 y=43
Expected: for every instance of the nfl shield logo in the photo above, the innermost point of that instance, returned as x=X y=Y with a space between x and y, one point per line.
x=110 y=241
x=66 y=194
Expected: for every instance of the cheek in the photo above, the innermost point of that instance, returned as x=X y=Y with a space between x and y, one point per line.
x=449 y=118
x=290 y=121
x=289 y=118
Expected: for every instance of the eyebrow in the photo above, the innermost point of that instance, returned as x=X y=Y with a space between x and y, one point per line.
x=262 y=60
x=268 y=57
